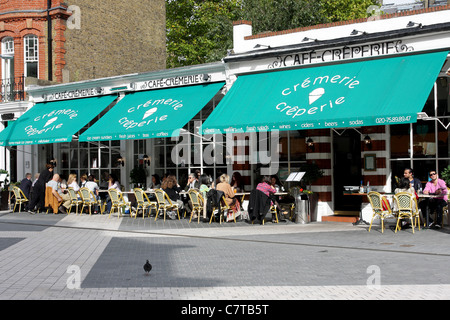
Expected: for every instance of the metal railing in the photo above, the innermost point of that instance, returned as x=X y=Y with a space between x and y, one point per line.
x=12 y=89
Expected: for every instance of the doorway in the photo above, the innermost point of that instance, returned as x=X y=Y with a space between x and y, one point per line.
x=346 y=171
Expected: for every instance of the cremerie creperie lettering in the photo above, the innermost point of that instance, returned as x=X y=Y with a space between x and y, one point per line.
x=343 y=53
x=52 y=122
x=315 y=94
x=148 y=117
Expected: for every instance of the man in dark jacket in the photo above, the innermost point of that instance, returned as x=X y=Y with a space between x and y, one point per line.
x=25 y=185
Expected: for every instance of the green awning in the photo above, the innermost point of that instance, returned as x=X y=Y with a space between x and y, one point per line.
x=353 y=94
x=56 y=121
x=152 y=114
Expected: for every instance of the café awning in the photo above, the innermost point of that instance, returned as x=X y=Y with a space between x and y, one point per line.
x=56 y=121
x=152 y=114
x=352 y=94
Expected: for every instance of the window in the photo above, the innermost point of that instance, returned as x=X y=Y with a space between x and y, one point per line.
x=7 y=49
x=31 y=56
x=99 y=158
x=430 y=149
x=191 y=151
x=8 y=46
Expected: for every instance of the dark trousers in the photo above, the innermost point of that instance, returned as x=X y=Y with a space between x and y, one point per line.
x=38 y=198
x=438 y=206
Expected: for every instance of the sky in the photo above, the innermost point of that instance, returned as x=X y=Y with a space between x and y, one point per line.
x=398 y=1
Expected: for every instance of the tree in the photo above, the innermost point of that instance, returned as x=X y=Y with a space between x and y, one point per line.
x=199 y=31
x=202 y=31
x=341 y=10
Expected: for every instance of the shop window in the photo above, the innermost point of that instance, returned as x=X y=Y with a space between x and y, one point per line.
x=203 y=153
x=424 y=142
x=431 y=145
x=400 y=141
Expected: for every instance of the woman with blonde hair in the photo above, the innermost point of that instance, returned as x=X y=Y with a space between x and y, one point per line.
x=72 y=182
x=225 y=186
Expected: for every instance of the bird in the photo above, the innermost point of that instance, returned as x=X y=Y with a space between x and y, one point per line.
x=147 y=267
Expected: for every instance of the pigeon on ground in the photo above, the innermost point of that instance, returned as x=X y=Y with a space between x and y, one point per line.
x=147 y=267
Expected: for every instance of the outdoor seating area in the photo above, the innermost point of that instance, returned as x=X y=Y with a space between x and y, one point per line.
x=151 y=203
x=402 y=208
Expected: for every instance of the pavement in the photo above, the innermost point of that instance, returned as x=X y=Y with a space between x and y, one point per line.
x=83 y=257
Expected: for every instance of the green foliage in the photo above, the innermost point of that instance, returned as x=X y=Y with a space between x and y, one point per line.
x=199 y=31
x=341 y=10
x=138 y=175
x=312 y=173
x=445 y=175
x=202 y=31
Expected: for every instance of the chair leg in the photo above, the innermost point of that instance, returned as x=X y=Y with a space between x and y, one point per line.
x=398 y=220
x=370 y=227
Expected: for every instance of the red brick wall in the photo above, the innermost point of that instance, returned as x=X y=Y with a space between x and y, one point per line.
x=19 y=24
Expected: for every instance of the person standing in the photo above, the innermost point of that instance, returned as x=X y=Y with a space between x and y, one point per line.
x=25 y=185
x=38 y=199
x=438 y=188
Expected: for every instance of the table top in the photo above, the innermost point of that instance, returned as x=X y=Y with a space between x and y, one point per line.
x=421 y=195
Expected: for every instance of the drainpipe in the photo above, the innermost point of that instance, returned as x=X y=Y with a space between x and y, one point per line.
x=49 y=41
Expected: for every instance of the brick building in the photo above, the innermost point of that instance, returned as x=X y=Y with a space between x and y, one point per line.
x=87 y=40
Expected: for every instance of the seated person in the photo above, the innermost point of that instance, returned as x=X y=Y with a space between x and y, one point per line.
x=269 y=190
x=404 y=186
x=156 y=182
x=58 y=194
x=415 y=183
x=25 y=185
x=438 y=188
x=224 y=185
x=72 y=182
x=237 y=182
x=172 y=190
x=192 y=183
x=204 y=188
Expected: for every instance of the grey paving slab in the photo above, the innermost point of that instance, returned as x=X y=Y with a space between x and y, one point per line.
x=38 y=254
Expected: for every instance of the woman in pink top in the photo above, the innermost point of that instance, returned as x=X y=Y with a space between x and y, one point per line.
x=436 y=187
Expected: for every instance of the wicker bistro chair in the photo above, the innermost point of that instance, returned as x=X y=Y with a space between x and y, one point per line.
x=74 y=200
x=197 y=204
x=117 y=202
x=417 y=213
x=376 y=201
x=19 y=198
x=143 y=202
x=405 y=207
x=88 y=200
x=165 y=204
x=225 y=208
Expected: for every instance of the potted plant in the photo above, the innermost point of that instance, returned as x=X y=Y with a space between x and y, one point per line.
x=138 y=176
x=312 y=174
x=445 y=175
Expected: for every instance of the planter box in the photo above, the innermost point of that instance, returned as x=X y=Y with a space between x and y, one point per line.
x=4 y=200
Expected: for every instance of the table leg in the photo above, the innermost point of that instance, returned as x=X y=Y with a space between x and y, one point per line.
x=361 y=220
